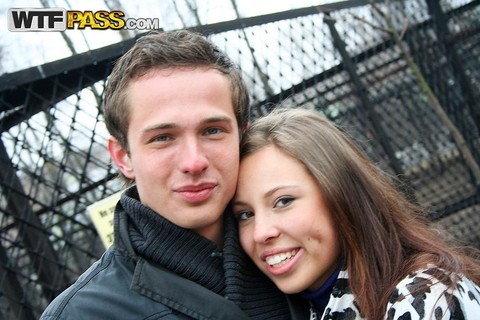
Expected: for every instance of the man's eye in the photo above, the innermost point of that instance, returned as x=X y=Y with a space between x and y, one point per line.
x=243 y=215
x=215 y=130
x=161 y=138
x=283 y=201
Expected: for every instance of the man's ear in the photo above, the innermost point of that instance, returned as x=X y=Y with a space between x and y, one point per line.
x=120 y=157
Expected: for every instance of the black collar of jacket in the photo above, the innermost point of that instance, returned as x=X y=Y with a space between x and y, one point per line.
x=299 y=308
x=181 y=294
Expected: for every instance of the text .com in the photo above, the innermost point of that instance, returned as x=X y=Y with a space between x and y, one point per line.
x=59 y=19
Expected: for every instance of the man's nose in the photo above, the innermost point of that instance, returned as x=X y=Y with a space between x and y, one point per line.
x=193 y=158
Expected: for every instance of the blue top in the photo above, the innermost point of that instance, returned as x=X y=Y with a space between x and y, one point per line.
x=319 y=298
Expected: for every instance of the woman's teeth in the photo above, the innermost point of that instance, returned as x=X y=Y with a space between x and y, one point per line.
x=280 y=259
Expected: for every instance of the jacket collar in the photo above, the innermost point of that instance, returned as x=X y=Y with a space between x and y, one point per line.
x=181 y=294
x=242 y=280
x=299 y=308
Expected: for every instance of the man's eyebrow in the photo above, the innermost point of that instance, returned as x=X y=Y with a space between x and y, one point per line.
x=160 y=127
x=171 y=125
x=217 y=119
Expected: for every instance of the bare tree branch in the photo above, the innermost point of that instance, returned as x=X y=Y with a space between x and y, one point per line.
x=261 y=74
x=436 y=105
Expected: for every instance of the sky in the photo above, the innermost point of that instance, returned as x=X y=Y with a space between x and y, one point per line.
x=21 y=50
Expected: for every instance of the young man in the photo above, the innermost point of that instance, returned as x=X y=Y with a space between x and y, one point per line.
x=175 y=107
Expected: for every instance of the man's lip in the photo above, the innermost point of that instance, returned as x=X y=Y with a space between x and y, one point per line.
x=196 y=187
x=196 y=194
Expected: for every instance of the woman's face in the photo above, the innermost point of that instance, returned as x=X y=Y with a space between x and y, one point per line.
x=284 y=224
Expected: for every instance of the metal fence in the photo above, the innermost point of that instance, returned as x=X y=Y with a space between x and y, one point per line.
x=339 y=59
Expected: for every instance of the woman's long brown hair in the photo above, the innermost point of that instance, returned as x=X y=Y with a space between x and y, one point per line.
x=384 y=237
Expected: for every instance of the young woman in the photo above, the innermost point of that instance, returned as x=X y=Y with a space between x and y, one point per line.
x=328 y=227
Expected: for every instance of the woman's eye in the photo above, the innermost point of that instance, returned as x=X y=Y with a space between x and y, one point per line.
x=243 y=215
x=283 y=202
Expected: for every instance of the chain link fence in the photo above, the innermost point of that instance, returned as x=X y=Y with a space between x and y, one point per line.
x=339 y=59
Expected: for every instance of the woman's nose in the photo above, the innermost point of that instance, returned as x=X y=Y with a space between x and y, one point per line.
x=265 y=229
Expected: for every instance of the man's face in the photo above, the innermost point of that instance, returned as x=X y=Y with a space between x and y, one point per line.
x=183 y=146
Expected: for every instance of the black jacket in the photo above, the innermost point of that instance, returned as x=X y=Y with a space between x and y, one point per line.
x=124 y=284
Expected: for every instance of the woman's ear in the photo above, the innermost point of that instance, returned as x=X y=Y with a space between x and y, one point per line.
x=120 y=157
